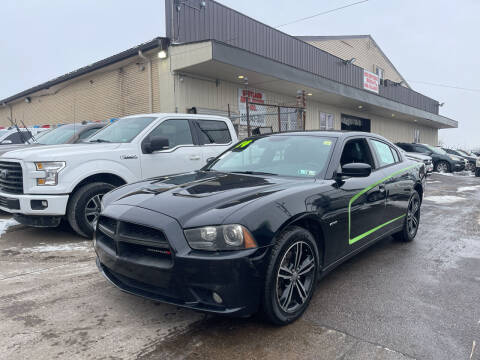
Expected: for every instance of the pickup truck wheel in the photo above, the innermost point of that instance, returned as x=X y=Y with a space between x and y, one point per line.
x=84 y=207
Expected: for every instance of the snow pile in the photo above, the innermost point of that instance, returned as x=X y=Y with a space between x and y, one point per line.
x=468 y=188
x=444 y=199
x=5 y=224
x=84 y=246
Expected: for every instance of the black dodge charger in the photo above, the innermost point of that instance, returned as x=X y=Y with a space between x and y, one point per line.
x=259 y=225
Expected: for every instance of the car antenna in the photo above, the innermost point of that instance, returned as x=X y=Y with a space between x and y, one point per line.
x=31 y=135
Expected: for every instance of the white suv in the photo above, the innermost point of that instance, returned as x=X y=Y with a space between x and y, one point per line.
x=41 y=185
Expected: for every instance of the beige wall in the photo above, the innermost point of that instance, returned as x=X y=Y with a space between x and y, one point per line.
x=103 y=95
x=206 y=94
x=366 y=53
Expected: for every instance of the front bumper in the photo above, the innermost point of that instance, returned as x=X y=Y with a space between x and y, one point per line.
x=182 y=277
x=22 y=204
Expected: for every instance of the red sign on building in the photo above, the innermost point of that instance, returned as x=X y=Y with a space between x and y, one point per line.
x=371 y=81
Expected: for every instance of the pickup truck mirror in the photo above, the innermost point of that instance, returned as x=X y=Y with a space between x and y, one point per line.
x=356 y=170
x=6 y=142
x=156 y=143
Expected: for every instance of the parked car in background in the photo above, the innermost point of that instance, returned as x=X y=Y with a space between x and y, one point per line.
x=65 y=134
x=442 y=161
x=471 y=160
x=41 y=185
x=20 y=136
x=427 y=160
x=259 y=225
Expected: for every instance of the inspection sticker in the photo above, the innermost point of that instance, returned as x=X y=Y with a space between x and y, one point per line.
x=307 y=172
x=327 y=142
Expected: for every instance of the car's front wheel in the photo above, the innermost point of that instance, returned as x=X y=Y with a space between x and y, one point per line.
x=84 y=207
x=442 y=167
x=291 y=276
x=477 y=172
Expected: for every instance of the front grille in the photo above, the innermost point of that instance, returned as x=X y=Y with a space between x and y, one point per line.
x=11 y=177
x=136 y=242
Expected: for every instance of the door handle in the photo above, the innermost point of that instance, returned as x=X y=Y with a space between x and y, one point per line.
x=381 y=188
x=194 y=157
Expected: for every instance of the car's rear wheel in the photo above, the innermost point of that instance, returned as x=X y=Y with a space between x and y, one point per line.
x=291 y=276
x=442 y=167
x=412 y=219
x=84 y=207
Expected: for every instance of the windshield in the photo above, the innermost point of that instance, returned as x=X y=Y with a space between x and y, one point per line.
x=56 y=136
x=286 y=155
x=437 y=150
x=122 y=131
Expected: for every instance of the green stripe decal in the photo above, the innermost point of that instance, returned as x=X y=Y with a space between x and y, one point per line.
x=359 y=237
x=352 y=200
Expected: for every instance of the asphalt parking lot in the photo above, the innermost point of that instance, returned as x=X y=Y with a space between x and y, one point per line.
x=393 y=301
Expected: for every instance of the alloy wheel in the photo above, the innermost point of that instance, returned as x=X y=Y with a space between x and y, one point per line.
x=442 y=167
x=295 y=276
x=413 y=216
x=93 y=208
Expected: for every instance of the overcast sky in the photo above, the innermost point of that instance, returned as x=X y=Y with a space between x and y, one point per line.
x=433 y=41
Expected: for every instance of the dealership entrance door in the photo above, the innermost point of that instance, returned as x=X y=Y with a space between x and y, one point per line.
x=354 y=123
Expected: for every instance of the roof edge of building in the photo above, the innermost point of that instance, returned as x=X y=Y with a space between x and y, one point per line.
x=149 y=45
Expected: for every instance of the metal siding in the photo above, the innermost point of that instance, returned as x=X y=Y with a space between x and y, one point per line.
x=220 y=23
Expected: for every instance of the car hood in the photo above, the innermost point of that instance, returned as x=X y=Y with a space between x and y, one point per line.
x=59 y=152
x=199 y=197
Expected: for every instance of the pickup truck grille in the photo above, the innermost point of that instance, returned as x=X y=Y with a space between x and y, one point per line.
x=11 y=177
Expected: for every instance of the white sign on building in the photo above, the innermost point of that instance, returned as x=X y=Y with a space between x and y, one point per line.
x=371 y=81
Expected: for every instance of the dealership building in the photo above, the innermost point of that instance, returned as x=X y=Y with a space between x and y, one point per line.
x=215 y=60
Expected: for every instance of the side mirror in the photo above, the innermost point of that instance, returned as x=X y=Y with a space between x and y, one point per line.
x=356 y=170
x=156 y=143
x=7 y=142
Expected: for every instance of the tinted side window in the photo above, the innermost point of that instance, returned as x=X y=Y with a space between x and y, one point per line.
x=384 y=153
x=421 y=149
x=356 y=151
x=213 y=132
x=17 y=138
x=176 y=131
x=395 y=154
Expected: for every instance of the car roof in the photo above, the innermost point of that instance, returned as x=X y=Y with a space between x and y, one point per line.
x=330 y=133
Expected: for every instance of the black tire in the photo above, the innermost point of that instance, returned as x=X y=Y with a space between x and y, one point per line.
x=87 y=195
x=408 y=233
x=440 y=165
x=477 y=172
x=275 y=305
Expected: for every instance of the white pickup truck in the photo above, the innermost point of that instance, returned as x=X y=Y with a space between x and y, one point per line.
x=42 y=185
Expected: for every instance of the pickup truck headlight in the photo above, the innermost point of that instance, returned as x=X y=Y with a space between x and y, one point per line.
x=51 y=170
x=218 y=238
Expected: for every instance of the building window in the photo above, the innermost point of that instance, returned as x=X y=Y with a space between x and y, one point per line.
x=326 y=121
x=416 y=135
x=380 y=72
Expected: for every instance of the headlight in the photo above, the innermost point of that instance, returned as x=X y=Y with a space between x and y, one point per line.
x=217 y=238
x=51 y=170
x=453 y=158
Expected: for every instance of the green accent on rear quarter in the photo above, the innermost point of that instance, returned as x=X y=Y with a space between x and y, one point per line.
x=361 y=236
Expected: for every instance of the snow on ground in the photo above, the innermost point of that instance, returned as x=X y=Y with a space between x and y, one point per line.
x=444 y=199
x=5 y=224
x=85 y=246
x=468 y=188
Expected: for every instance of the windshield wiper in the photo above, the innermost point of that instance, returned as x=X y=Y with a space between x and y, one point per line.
x=99 y=141
x=249 y=172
